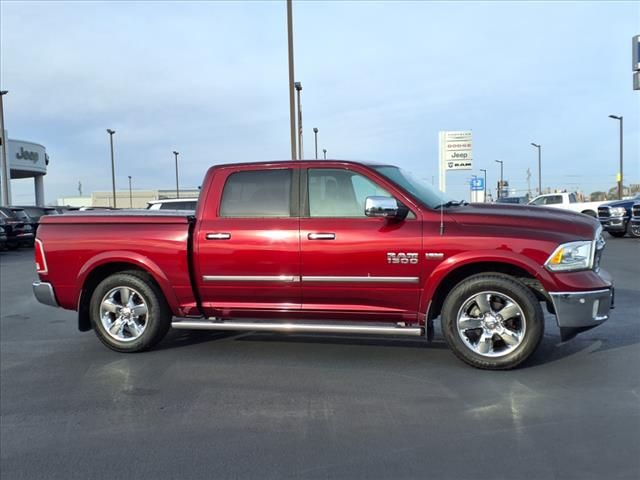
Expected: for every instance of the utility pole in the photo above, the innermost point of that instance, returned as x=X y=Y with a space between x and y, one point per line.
x=292 y=107
x=113 y=166
x=528 y=181
x=315 y=133
x=177 y=187
x=298 y=86
x=620 y=178
x=130 y=195
x=5 y=170
x=501 y=162
x=539 y=147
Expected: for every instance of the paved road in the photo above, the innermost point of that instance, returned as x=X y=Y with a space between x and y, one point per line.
x=267 y=406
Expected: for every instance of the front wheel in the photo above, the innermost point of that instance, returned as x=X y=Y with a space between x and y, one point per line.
x=617 y=234
x=129 y=313
x=634 y=232
x=492 y=321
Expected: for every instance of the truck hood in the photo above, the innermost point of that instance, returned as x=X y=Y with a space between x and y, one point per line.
x=621 y=203
x=574 y=225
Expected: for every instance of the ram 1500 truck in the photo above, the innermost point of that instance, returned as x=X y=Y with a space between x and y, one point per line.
x=567 y=201
x=328 y=246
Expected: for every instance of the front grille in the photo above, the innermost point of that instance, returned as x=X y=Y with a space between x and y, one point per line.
x=636 y=210
x=604 y=212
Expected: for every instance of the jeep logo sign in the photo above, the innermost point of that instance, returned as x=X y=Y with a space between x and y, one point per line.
x=27 y=155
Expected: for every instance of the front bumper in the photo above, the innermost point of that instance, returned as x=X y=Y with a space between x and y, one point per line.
x=44 y=293
x=580 y=311
x=614 y=224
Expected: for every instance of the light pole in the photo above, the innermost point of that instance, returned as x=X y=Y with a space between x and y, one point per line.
x=501 y=162
x=315 y=133
x=292 y=106
x=5 y=171
x=324 y=152
x=130 y=196
x=177 y=187
x=539 y=147
x=620 y=180
x=298 y=86
x=485 y=184
x=113 y=166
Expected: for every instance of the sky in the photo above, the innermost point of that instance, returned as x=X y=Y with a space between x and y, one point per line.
x=380 y=80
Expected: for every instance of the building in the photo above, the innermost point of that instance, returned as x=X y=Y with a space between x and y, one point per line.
x=124 y=198
x=27 y=160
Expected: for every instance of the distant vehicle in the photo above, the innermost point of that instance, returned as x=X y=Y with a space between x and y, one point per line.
x=635 y=220
x=174 y=204
x=567 y=201
x=18 y=233
x=3 y=234
x=615 y=217
x=513 y=200
x=34 y=213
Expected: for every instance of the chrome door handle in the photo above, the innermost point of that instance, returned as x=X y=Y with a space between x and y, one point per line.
x=321 y=236
x=218 y=236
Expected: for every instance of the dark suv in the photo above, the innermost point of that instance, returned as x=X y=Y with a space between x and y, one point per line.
x=33 y=214
x=18 y=233
x=615 y=217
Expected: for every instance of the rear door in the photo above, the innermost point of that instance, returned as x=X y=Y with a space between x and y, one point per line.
x=247 y=243
x=354 y=266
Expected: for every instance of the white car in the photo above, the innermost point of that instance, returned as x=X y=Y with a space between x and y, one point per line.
x=188 y=204
x=567 y=201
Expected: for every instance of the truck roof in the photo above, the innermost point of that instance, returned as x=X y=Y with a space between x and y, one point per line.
x=304 y=162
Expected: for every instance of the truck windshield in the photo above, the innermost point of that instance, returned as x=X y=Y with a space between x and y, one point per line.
x=419 y=189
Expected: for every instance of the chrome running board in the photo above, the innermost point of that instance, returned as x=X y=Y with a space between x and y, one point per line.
x=290 y=327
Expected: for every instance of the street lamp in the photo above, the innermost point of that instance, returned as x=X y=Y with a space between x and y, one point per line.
x=620 y=181
x=292 y=102
x=113 y=166
x=539 y=147
x=324 y=152
x=298 y=86
x=130 y=196
x=177 y=187
x=315 y=133
x=501 y=178
x=4 y=166
x=485 y=183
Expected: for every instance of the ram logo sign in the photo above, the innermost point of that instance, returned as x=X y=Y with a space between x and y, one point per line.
x=402 y=258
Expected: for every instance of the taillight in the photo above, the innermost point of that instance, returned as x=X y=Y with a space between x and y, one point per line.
x=41 y=261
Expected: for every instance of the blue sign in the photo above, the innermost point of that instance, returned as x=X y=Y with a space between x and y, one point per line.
x=477 y=184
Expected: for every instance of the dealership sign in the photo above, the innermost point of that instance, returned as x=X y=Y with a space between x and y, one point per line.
x=456 y=150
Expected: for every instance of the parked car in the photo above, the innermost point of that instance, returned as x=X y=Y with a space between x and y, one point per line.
x=615 y=217
x=567 y=201
x=328 y=246
x=25 y=217
x=18 y=233
x=173 y=204
x=513 y=200
x=3 y=234
x=635 y=220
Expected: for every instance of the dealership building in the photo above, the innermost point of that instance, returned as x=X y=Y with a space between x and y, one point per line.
x=27 y=160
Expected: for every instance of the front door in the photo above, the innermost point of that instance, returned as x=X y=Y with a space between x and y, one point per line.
x=248 y=248
x=354 y=266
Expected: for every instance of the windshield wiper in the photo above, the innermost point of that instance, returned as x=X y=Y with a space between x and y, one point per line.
x=452 y=203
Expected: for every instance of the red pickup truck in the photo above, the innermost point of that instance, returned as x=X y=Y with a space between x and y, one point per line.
x=328 y=246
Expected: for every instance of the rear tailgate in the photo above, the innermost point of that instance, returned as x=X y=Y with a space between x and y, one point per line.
x=77 y=243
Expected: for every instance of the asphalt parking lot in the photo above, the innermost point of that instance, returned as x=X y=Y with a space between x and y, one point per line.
x=211 y=405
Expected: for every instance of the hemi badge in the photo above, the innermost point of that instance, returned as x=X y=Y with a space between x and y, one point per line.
x=434 y=256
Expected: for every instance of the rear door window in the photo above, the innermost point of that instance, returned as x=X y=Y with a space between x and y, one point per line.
x=257 y=194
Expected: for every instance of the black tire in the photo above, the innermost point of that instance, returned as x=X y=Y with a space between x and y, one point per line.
x=617 y=234
x=532 y=328
x=155 y=322
x=13 y=246
x=591 y=213
x=630 y=231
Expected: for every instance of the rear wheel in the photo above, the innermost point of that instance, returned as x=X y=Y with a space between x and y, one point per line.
x=617 y=234
x=492 y=321
x=129 y=313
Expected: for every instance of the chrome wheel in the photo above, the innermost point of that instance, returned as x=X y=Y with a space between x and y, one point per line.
x=123 y=313
x=491 y=324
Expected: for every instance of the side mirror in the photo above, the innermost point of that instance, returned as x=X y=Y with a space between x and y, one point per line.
x=377 y=206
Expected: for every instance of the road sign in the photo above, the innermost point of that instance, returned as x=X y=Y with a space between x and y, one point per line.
x=477 y=184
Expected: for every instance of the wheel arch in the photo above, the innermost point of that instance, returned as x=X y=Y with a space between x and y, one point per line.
x=99 y=268
x=443 y=280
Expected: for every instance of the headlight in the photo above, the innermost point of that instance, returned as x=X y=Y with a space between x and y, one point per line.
x=617 y=211
x=571 y=256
